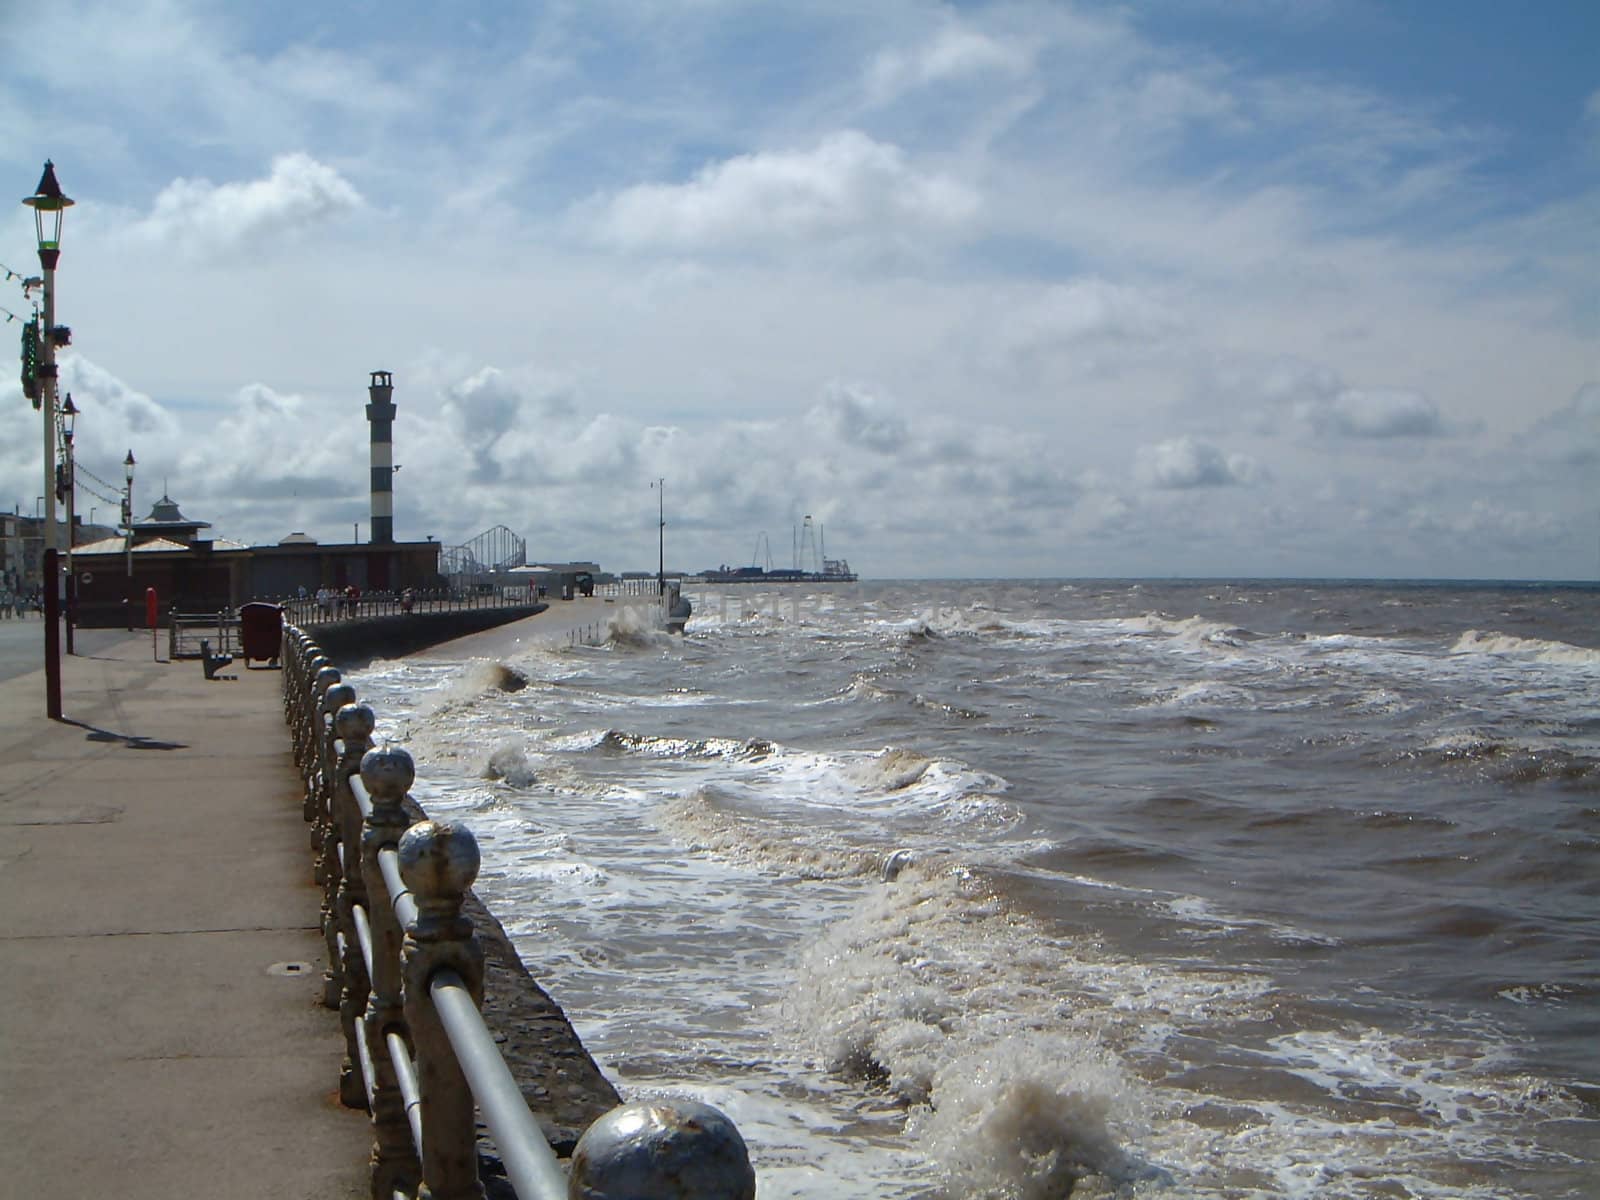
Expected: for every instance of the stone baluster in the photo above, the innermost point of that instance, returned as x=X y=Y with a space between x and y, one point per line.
x=354 y=724
x=328 y=826
x=302 y=729
x=303 y=725
x=316 y=757
x=439 y=861
x=387 y=773
x=294 y=659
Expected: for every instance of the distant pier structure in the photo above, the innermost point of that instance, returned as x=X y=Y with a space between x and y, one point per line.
x=380 y=416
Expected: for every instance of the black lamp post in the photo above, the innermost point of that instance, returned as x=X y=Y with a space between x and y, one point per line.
x=127 y=524
x=660 y=486
x=69 y=489
x=49 y=206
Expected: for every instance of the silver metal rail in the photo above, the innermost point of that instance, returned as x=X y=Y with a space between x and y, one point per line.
x=405 y=972
x=530 y=1164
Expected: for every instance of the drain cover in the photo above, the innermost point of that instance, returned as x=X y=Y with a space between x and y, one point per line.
x=290 y=968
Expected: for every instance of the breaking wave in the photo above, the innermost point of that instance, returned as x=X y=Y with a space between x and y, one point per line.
x=1502 y=645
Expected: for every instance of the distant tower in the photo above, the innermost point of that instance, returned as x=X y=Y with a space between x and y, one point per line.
x=380 y=415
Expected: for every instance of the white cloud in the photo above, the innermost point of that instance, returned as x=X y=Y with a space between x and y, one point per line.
x=200 y=216
x=1570 y=436
x=1041 y=242
x=1086 y=310
x=1374 y=413
x=849 y=184
x=1183 y=462
x=852 y=416
x=952 y=53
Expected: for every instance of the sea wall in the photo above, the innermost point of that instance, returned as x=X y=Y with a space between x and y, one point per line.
x=563 y=1086
x=354 y=642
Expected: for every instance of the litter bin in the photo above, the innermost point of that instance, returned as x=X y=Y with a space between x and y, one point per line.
x=260 y=632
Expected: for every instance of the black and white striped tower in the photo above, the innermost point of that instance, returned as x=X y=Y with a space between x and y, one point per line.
x=380 y=415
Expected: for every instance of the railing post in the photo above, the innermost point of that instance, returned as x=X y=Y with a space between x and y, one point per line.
x=317 y=757
x=439 y=861
x=353 y=723
x=386 y=774
x=305 y=730
x=335 y=698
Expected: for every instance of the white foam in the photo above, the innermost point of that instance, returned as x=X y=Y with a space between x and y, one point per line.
x=754 y=947
x=1211 y=921
x=1507 y=647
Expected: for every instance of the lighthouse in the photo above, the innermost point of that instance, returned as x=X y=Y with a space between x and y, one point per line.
x=380 y=416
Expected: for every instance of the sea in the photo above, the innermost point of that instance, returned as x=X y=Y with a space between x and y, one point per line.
x=1023 y=889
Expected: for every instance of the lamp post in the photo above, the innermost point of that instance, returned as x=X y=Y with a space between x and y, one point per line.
x=49 y=206
x=127 y=523
x=68 y=486
x=660 y=486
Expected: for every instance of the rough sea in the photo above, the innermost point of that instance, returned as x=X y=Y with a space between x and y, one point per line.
x=1011 y=890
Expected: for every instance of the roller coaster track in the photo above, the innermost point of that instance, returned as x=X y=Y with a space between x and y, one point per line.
x=497 y=549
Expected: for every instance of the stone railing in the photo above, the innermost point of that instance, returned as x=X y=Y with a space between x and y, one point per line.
x=405 y=972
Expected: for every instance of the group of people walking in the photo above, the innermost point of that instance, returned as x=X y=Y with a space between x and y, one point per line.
x=337 y=601
x=14 y=603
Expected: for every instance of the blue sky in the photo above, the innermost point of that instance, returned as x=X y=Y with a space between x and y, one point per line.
x=990 y=289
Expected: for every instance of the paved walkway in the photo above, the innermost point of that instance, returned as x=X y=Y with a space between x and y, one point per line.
x=154 y=870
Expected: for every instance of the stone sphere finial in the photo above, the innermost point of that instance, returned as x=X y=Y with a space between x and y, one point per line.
x=439 y=860
x=354 y=722
x=665 y=1149
x=325 y=678
x=387 y=773
x=318 y=661
x=337 y=697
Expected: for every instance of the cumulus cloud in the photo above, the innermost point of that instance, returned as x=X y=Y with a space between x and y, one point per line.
x=299 y=193
x=851 y=415
x=850 y=184
x=1570 y=436
x=1066 y=316
x=259 y=451
x=112 y=411
x=1373 y=413
x=1184 y=462
x=952 y=53
x=114 y=417
x=1487 y=520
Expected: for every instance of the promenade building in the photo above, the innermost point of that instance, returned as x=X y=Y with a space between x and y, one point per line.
x=193 y=571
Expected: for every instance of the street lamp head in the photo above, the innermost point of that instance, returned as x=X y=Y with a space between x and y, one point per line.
x=69 y=417
x=49 y=205
x=127 y=467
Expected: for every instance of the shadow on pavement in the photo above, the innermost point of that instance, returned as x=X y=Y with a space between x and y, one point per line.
x=132 y=741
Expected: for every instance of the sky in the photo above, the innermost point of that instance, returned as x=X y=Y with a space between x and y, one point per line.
x=1233 y=288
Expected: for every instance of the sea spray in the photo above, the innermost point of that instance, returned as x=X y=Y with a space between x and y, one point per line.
x=1026 y=1118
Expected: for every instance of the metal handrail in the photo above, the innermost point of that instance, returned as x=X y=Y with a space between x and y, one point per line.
x=530 y=1164
x=420 y=996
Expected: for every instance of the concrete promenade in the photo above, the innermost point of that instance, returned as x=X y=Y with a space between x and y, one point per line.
x=160 y=956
